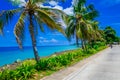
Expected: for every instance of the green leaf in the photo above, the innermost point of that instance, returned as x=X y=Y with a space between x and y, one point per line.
x=19 y=29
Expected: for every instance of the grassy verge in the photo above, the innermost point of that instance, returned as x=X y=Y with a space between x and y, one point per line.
x=30 y=70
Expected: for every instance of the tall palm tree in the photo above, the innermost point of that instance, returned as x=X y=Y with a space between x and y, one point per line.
x=79 y=23
x=31 y=13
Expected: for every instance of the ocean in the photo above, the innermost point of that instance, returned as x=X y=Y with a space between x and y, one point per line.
x=9 y=55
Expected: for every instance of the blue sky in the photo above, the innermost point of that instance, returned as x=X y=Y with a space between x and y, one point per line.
x=109 y=14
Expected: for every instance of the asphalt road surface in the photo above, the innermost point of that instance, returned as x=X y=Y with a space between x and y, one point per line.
x=105 y=67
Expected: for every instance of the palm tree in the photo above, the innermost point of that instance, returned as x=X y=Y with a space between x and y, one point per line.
x=31 y=13
x=79 y=23
x=96 y=34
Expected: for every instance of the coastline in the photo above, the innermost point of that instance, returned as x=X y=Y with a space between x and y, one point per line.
x=10 y=55
x=19 y=62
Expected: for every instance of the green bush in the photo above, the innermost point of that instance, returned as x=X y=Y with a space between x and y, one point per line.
x=23 y=72
x=5 y=75
x=92 y=51
x=101 y=48
x=96 y=46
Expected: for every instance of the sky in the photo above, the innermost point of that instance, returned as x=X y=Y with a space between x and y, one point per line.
x=109 y=14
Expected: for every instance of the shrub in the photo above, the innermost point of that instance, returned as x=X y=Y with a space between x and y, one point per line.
x=92 y=51
x=25 y=71
x=5 y=75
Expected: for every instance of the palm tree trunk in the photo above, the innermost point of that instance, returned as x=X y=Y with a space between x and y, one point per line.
x=82 y=43
x=31 y=30
x=77 y=41
x=85 y=44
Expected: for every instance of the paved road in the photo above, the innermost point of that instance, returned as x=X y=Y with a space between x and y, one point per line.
x=105 y=67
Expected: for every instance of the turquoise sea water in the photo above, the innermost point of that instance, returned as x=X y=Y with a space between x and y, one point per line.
x=9 y=55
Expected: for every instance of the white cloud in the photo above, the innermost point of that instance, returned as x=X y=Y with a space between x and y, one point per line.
x=41 y=5
x=53 y=3
x=55 y=7
x=20 y=3
x=58 y=7
x=74 y=1
x=41 y=37
x=69 y=10
x=23 y=2
x=48 y=41
x=53 y=40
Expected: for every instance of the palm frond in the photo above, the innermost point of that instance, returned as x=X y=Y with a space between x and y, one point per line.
x=78 y=5
x=91 y=12
x=67 y=19
x=47 y=19
x=95 y=30
x=19 y=29
x=90 y=7
x=56 y=14
x=1 y=27
x=53 y=9
x=39 y=22
x=91 y=15
x=70 y=30
x=45 y=1
x=6 y=17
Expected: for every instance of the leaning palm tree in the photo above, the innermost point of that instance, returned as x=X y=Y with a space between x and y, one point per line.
x=32 y=14
x=96 y=34
x=78 y=24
